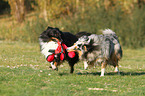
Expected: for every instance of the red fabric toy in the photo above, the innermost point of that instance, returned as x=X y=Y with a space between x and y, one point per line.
x=60 y=49
x=71 y=54
x=50 y=58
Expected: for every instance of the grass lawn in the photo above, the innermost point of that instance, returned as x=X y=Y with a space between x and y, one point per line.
x=25 y=72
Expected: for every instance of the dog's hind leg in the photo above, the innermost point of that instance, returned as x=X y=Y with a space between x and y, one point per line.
x=116 y=67
x=85 y=65
x=114 y=60
x=117 y=70
x=103 y=66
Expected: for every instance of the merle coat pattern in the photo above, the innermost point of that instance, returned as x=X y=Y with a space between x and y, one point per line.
x=104 y=49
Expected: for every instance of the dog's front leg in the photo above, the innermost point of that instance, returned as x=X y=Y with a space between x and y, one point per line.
x=85 y=65
x=71 y=67
x=103 y=66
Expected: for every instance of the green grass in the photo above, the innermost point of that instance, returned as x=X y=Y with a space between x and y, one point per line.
x=25 y=72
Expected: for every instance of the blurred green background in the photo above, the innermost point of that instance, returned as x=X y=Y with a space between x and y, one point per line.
x=24 y=20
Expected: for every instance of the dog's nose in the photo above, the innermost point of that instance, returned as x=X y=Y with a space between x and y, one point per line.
x=56 y=69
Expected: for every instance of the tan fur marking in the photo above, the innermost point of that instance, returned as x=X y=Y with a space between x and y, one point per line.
x=103 y=65
x=80 y=53
x=70 y=50
x=55 y=63
x=55 y=38
x=85 y=48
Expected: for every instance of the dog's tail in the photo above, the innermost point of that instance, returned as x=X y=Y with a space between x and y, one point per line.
x=108 y=32
x=111 y=35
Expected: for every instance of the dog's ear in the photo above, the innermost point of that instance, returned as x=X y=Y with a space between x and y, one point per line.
x=58 y=31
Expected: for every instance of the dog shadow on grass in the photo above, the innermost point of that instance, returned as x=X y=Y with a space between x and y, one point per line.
x=107 y=74
x=113 y=73
x=131 y=73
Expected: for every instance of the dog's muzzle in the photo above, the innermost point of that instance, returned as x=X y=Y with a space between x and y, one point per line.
x=54 y=65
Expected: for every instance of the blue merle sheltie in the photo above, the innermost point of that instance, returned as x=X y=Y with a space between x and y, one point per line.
x=99 y=49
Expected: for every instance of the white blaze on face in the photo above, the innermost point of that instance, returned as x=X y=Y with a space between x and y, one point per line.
x=72 y=47
x=81 y=41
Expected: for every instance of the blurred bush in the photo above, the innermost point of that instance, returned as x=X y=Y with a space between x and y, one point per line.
x=127 y=19
x=4 y=7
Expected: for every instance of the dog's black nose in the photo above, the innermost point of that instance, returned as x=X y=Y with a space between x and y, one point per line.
x=53 y=69
x=56 y=69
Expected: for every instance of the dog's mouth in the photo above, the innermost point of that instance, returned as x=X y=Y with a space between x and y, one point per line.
x=54 y=65
x=56 y=39
x=54 y=68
